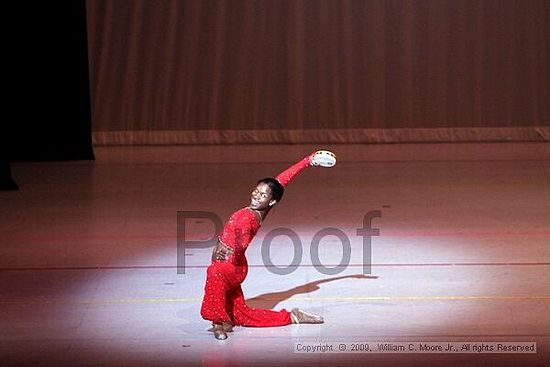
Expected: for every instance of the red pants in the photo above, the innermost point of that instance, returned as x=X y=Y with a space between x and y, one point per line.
x=224 y=300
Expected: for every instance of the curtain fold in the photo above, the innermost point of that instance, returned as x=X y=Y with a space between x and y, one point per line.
x=170 y=71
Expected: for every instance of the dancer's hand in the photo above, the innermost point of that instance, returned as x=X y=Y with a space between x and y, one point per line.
x=221 y=252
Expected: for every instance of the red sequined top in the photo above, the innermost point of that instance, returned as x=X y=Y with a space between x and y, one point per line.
x=242 y=225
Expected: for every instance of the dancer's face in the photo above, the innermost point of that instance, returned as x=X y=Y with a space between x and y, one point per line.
x=262 y=197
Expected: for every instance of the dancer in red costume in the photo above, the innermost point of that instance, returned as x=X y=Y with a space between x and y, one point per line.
x=223 y=301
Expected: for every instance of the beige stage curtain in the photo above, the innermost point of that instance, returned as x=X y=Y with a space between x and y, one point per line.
x=293 y=71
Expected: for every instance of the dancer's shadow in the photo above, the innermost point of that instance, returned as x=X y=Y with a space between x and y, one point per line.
x=270 y=300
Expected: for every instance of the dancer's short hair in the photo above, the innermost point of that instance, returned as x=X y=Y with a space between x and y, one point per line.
x=277 y=190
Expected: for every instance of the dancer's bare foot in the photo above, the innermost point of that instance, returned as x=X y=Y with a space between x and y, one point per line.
x=301 y=317
x=227 y=327
x=219 y=332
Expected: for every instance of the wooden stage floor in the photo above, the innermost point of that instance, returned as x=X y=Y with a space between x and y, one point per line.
x=88 y=256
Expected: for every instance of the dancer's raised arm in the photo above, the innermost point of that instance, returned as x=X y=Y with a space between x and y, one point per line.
x=318 y=158
x=288 y=174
